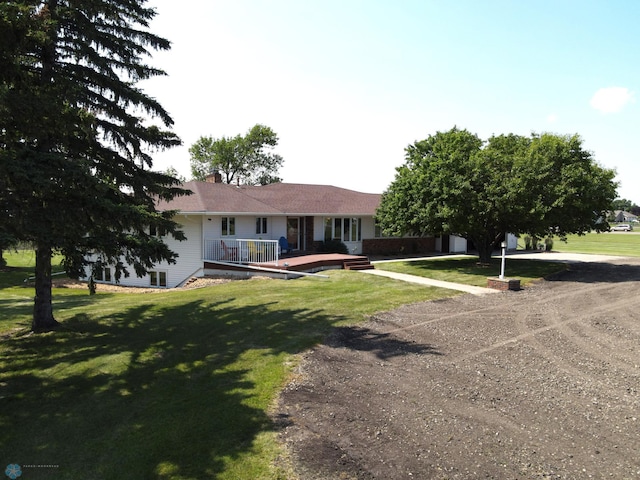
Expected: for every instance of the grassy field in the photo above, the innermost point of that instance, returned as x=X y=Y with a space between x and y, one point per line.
x=465 y=269
x=180 y=384
x=168 y=385
x=625 y=244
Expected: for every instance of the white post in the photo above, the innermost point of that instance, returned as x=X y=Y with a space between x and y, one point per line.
x=504 y=255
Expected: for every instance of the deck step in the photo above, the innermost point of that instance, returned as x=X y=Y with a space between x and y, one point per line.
x=362 y=264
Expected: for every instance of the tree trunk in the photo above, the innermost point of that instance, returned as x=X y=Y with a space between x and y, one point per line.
x=485 y=249
x=42 y=306
x=484 y=255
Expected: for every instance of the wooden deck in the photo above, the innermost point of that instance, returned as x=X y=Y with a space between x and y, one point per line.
x=313 y=262
x=299 y=263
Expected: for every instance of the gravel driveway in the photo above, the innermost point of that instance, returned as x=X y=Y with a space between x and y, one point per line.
x=540 y=383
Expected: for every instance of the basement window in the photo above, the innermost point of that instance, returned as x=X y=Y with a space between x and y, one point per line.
x=103 y=275
x=158 y=278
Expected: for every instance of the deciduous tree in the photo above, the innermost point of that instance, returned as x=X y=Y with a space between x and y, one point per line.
x=76 y=136
x=173 y=172
x=247 y=159
x=625 y=205
x=454 y=183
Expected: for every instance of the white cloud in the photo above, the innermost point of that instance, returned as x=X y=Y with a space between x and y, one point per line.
x=552 y=118
x=612 y=99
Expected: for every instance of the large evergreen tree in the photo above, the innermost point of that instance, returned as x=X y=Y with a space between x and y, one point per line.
x=76 y=135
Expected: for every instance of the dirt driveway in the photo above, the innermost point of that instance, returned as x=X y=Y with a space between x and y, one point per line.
x=541 y=383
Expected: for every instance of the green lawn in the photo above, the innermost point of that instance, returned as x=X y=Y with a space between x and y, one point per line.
x=180 y=384
x=625 y=244
x=21 y=266
x=466 y=270
x=170 y=385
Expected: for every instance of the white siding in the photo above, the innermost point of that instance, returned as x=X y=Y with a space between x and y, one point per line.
x=211 y=226
x=278 y=226
x=245 y=227
x=368 y=228
x=188 y=263
x=457 y=244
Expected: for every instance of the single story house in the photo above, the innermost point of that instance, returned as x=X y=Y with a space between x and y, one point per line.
x=229 y=225
x=622 y=216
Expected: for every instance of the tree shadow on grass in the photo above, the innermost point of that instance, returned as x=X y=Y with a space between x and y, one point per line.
x=598 y=272
x=151 y=392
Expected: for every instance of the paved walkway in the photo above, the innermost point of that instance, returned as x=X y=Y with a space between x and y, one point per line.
x=563 y=257
x=432 y=283
x=545 y=256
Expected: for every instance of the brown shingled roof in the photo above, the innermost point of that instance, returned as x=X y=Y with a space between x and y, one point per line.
x=276 y=198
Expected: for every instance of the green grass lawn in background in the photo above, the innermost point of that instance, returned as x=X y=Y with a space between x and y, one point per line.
x=625 y=244
x=467 y=271
x=21 y=266
x=171 y=385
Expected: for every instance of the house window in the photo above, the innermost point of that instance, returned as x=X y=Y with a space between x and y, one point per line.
x=228 y=226
x=378 y=233
x=261 y=225
x=327 y=229
x=158 y=278
x=343 y=229
x=356 y=230
x=346 y=229
x=103 y=274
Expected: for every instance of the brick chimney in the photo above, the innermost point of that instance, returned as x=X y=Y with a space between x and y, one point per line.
x=215 y=177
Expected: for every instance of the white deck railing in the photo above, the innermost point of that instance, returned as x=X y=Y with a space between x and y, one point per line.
x=241 y=250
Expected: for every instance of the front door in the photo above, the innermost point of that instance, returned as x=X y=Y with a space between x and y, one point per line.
x=293 y=232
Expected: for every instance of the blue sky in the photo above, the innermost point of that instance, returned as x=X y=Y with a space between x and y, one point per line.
x=348 y=84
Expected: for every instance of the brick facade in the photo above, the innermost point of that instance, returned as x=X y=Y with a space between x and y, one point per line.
x=394 y=246
x=503 y=284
